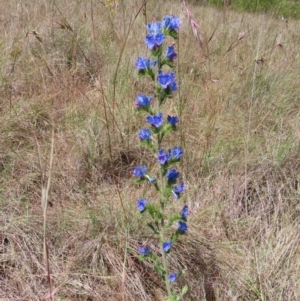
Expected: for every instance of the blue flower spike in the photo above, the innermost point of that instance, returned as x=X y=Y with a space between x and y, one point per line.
x=167 y=246
x=152 y=137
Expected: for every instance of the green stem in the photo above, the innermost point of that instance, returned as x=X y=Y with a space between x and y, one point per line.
x=164 y=257
x=162 y=231
x=162 y=206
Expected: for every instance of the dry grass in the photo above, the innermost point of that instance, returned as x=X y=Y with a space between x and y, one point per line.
x=240 y=131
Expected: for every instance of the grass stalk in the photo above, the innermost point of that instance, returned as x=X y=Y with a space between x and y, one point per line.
x=44 y=201
x=114 y=104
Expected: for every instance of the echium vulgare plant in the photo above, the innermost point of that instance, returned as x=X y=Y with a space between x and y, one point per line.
x=168 y=229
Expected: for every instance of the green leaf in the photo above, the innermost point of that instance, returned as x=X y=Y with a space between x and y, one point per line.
x=167 y=62
x=174 y=236
x=173 y=34
x=138 y=180
x=142 y=257
x=141 y=73
x=154 y=212
x=158 y=268
x=184 y=290
x=148 y=144
x=157 y=52
x=168 y=192
x=150 y=72
x=167 y=128
x=152 y=228
x=173 y=218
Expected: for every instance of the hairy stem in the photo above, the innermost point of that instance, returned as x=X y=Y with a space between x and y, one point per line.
x=162 y=231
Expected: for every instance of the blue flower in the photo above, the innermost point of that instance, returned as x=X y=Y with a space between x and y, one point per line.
x=176 y=153
x=142 y=63
x=172 y=175
x=167 y=80
x=170 y=54
x=154 y=28
x=143 y=101
x=155 y=120
x=184 y=212
x=154 y=41
x=145 y=134
x=172 y=120
x=163 y=157
x=178 y=190
x=167 y=246
x=182 y=227
x=141 y=204
x=145 y=250
x=140 y=171
x=172 y=277
x=171 y=23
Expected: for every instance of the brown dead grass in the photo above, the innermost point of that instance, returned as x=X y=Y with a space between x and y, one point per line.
x=240 y=121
